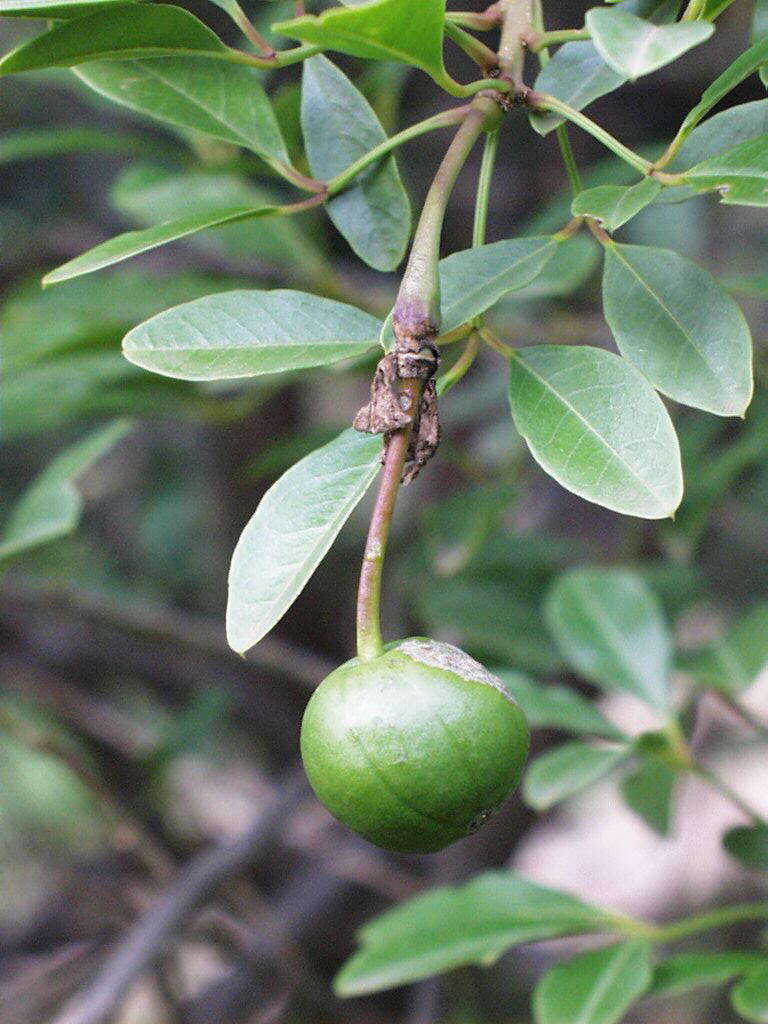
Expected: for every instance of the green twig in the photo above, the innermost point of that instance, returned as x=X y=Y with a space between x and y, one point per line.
x=482 y=199
x=461 y=366
x=542 y=102
x=541 y=40
x=696 y=925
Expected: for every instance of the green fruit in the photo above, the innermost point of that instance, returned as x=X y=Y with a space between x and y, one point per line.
x=415 y=748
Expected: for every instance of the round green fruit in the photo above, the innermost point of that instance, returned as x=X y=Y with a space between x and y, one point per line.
x=413 y=749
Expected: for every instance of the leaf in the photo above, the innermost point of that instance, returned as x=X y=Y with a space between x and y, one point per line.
x=566 y=770
x=557 y=707
x=614 y=205
x=53 y=8
x=680 y=328
x=760 y=20
x=648 y=792
x=740 y=175
x=610 y=627
x=749 y=845
x=473 y=280
x=450 y=927
x=688 y=971
x=132 y=30
x=733 y=663
x=634 y=47
x=382 y=30
x=131 y=243
x=578 y=75
x=339 y=125
x=594 y=988
x=749 y=997
x=593 y=423
x=742 y=68
x=51 y=507
x=293 y=527
x=246 y=333
x=225 y=101
x=33 y=143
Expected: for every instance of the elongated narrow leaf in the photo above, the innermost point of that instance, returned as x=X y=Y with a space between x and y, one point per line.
x=473 y=280
x=677 y=325
x=566 y=770
x=740 y=175
x=594 y=423
x=648 y=792
x=51 y=506
x=53 y=8
x=340 y=126
x=381 y=30
x=246 y=333
x=749 y=997
x=126 y=31
x=289 y=533
x=744 y=66
x=634 y=47
x=225 y=101
x=450 y=927
x=614 y=205
x=557 y=707
x=595 y=988
x=131 y=243
x=733 y=663
x=688 y=971
x=610 y=627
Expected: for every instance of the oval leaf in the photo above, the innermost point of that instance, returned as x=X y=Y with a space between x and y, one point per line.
x=740 y=174
x=225 y=101
x=634 y=47
x=340 y=126
x=449 y=927
x=578 y=75
x=246 y=333
x=609 y=626
x=557 y=707
x=648 y=792
x=593 y=423
x=560 y=773
x=614 y=205
x=127 y=31
x=595 y=988
x=382 y=30
x=289 y=533
x=679 y=327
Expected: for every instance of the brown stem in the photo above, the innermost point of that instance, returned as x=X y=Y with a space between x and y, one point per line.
x=369 y=641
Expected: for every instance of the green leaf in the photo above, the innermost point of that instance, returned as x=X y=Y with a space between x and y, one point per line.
x=53 y=8
x=680 y=328
x=51 y=507
x=33 y=143
x=225 y=101
x=450 y=927
x=246 y=333
x=733 y=663
x=742 y=68
x=126 y=31
x=382 y=30
x=293 y=527
x=339 y=125
x=594 y=988
x=131 y=243
x=749 y=845
x=614 y=205
x=740 y=175
x=648 y=792
x=557 y=707
x=578 y=75
x=760 y=20
x=749 y=997
x=473 y=280
x=559 y=773
x=611 y=629
x=634 y=47
x=593 y=423
x=688 y=971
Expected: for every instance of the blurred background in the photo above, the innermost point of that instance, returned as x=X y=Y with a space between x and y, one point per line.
x=134 y=745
